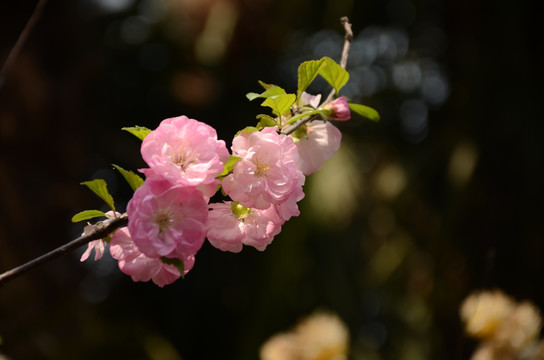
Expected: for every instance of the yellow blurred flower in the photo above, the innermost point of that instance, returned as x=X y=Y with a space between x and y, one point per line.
x=508 y=329
x=483 y=312
x=521 y=327
x=321 y=336
x=491 y=351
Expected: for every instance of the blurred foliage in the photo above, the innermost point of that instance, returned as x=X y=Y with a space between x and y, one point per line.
x=441 y=197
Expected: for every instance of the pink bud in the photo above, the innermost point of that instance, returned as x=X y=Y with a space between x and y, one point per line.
x=338 y=109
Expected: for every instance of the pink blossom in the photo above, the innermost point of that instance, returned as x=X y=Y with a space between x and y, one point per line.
x=141 y=267
x=316 y=141
x=312 y=100
x=97 y=245
x=289 y=207
x=267 y=173
x=167 y=220
x=184 y=152
x=338 y=109
x=230 y=225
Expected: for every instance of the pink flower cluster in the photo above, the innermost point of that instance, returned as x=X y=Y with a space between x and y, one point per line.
x=170 y=215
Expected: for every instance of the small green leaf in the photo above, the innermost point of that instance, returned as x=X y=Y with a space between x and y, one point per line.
x=280 y=104
x=230 y=165
x=334 y=74
x=269 y=92
x=99 y=187
x=365 y=111
x=133 y=180
x=139 y=131
x=86 y=215
x=265 y=121
x=307 y=72
x=266 y=86
x=176 y=262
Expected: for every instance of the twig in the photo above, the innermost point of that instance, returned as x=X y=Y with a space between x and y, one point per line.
x=13 y=54
x=343 y=63
x=345 y=50
x=102 y=230
x=291 y=129
x=347 y=41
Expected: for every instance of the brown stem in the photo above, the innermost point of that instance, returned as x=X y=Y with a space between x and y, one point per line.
x=345 y=51
x=21 y=40
x=298 y=124
x=102 y=230
x=347 y=41
x=343 y=62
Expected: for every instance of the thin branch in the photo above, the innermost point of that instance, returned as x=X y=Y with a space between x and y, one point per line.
x=14 y=53
x=291 y=129
x=347 y=41
x=343 y=63
x=345 y=50
x=102 y=230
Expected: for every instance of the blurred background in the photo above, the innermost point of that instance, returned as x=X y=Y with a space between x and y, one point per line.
x=440 y=198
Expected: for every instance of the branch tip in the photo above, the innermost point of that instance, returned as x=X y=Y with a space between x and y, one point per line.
x=347 y=28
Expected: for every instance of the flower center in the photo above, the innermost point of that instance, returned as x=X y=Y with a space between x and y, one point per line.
x=262 y=168
x=184 y=157
x=240 y=211
x=163 y=219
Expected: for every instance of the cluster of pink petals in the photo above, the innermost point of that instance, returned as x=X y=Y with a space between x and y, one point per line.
x=99 y=245
x=185 y=152
x=320 y=141
x=141 y=267
x=228 y=231
x=169 y=215
x=267 y=173
x=166 y=220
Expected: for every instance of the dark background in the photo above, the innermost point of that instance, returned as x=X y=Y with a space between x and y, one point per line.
x=440 y=198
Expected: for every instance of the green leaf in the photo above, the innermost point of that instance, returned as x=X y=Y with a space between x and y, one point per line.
x=99 y=187
x=133 y=179
x=86 y=215
x=266 y=86
x=230 y=165
x=176 y=262
x=280 y=104
x=307 y=72
x=334 y=74
x=273 y=90
x=365 y=111
x=139 y=131
x=265 y=121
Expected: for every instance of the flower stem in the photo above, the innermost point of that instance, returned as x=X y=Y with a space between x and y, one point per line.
x=345 y=50
x=102 y=230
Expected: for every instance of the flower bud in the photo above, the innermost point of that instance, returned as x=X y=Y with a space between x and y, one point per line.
x=338 y=109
